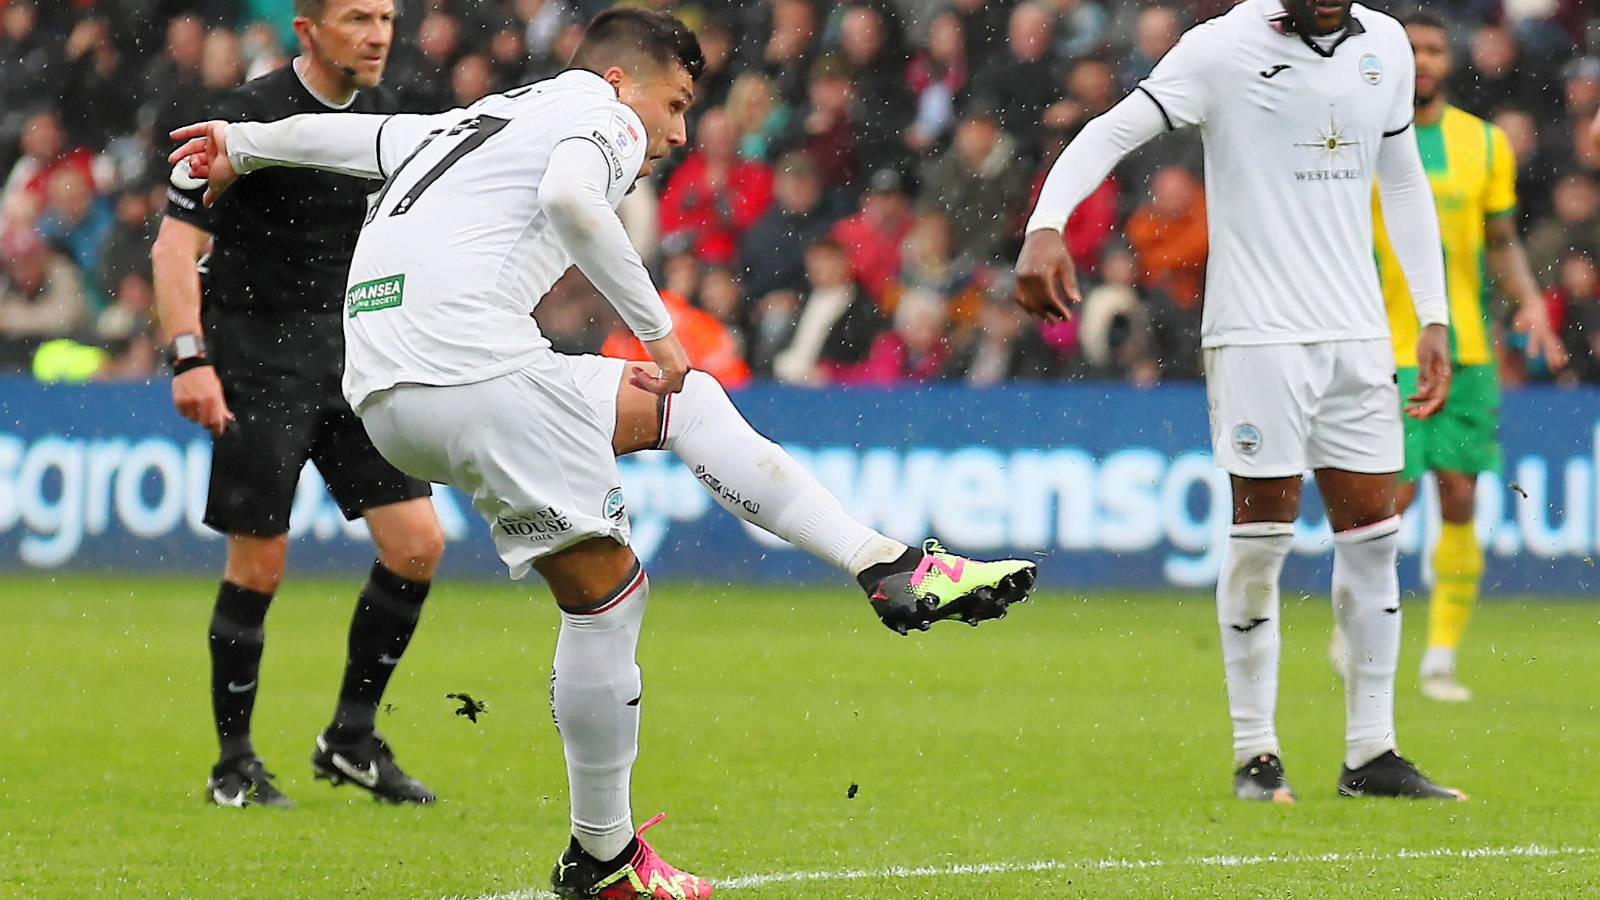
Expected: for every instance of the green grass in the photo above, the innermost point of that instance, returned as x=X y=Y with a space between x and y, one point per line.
x=1078 y=730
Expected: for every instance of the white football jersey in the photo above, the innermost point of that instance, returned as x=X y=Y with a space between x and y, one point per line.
x=1291 y=132
x=457 y=250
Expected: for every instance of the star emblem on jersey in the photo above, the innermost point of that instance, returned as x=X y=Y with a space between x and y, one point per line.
x=1331 y=140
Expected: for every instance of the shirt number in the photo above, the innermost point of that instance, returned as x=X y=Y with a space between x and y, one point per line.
x=477 y=130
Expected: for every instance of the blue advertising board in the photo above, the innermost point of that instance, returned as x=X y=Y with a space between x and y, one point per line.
x=1108 y=485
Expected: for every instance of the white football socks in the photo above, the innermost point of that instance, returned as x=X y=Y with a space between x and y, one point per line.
x=1247 y=613
x=758 y=481
x=594 y=696
x=1366 y=604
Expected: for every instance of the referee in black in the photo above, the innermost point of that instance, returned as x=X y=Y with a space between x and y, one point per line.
x=250 y=294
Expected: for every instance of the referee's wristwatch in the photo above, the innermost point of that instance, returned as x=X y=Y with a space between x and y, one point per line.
x=187 y=351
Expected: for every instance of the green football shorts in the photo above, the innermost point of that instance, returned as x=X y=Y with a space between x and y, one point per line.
x=1460 y=437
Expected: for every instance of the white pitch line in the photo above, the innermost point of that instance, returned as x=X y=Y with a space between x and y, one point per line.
x=1052 y=865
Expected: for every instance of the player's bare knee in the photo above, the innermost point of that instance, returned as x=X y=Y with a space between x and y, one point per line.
x=1457 y=496
x=257 y=563
x=587 y=571
x=414 y=553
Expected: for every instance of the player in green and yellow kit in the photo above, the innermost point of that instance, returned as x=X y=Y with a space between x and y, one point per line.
x=1473 y=172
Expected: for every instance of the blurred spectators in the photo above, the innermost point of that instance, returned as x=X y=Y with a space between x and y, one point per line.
x=978 y=187
x=1576 y=298
x=41 y=296
x=45 y=152
x=1574 y=224
x=872 y=235
x=714 y=195
x=1154 y=34
x=1168 y=236
x=835 y=324
x=711 y=348
x=1020 y=82
x=915 y=348
x=77 y=222
x=1003 y=345
x=898 y=135
x=824 y=129
x=772 y=252
x=938 y=76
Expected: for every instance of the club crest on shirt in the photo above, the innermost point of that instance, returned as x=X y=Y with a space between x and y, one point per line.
x=1246 y=439
x=623 y=135
x=1371 y=69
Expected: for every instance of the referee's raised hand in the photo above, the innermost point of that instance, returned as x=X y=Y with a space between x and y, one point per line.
x=1046 y=279
x=204 y=152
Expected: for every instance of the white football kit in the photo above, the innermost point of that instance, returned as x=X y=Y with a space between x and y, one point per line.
x=483 y=209
x=1295 y=130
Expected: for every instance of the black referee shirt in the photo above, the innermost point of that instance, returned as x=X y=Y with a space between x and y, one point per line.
x=283 y=236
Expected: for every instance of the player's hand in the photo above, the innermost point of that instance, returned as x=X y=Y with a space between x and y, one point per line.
x=204 y=152
x=198 y=395
x=1046 y=279
x=1433 y=372
x=1533 y=320
x=672 y=363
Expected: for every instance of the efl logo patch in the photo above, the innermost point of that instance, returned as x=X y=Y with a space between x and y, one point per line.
x=1246 y=439
x=380 y=293
x=1371 y=69
x=623 y=135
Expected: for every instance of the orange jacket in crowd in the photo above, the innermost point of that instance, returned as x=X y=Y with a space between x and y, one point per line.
x=710 y=347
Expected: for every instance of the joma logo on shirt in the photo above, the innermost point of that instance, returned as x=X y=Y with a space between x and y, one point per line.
x=380 y=293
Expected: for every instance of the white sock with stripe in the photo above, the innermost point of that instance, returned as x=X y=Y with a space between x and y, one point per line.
x=594 y=696
x=758 y=481
x=1247 y=616
x=1366 y=603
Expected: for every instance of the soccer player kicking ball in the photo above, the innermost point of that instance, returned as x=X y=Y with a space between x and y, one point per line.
x=482 y=211
x=1473 y=174
x=1300 y=104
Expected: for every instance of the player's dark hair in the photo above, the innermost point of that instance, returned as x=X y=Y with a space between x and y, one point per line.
x=311 y=9
x=1422 y=18
x=617 y=34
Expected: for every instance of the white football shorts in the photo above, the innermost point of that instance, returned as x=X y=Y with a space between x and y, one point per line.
x=1280 y=409
x=532 y=448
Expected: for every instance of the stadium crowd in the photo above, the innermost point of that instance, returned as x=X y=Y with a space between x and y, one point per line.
x=848 y=206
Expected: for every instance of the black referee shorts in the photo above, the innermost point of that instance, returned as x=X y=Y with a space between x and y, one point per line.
x=280 y=375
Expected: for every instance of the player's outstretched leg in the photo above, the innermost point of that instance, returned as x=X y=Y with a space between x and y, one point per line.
x=351 y=751
x=1247 y=617
x=942 y=585
x=758 y=481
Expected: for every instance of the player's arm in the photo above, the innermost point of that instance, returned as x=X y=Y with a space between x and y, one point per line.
x=175 y=270
x=360 y=144
x=1177 y=93
x=573 y=194
x=1507 y=264
x=1045 y=276
x=1413 y=225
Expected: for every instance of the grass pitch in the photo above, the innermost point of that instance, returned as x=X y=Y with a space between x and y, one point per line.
x=1077 y=749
